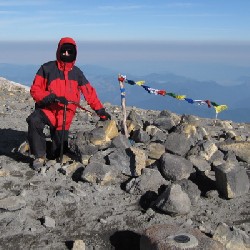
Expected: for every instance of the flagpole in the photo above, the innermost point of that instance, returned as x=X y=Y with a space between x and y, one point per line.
x=123 y=103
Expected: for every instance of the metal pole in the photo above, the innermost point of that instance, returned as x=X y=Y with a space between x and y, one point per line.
x=63 y=132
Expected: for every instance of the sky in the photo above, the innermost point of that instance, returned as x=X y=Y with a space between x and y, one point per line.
x=137 y=35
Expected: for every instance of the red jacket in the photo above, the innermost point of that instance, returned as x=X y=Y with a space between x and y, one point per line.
x=62 y=79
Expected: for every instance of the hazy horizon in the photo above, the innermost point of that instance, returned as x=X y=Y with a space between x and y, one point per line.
x=199 y=60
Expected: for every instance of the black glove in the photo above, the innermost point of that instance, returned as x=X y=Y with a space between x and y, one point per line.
x=47 y=100
x=62 y=100
x=103 y=114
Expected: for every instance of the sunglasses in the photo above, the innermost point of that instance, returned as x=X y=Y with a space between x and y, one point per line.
x=70 y=51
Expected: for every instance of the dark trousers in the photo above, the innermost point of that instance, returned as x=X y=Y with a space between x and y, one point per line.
x=39 y=146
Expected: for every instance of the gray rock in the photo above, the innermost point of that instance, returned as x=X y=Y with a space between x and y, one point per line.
x=231 y=237
x=140 y=136
x=231 y=180
x=177 y=144
x=12 y=203
x=174 y=201
x=99 y=173
x=164 y=123
x=171 y=236
x=121 y=141
x=49 y=222
x=121 y=160
x=191 y=189
x=174 y=167
x=155 y=150
x=241 y=149
x=150 y=180
x=200 y=164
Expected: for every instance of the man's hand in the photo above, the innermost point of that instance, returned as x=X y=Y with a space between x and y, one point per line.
x=62 y=100
x=103 y=114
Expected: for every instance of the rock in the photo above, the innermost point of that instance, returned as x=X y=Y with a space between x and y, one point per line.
x=12 y=203
x=133 y=122
x=231 y=180
x=174 y=167
x=200 y=164
x=155 y=150
x=191 y=189
x=170 y=236
x=120 y=141
x=140 y=136
x=232 y=238
x=99 y=173
x=49 y=222
x=120 y=159
x=150 y=180
x=209 y=148
x=78 y=245
x=164 y=123
x=174 y=201
x=110 y=129
x=177 y=144
x=241 y=149
x=139 y=160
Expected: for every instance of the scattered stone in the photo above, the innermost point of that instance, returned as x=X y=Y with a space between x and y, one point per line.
x=166 y=236
x=241 y=149
x=231 y=180
x=232 y=238
x=177 y=144
x=150 y=180
x=78 y=245
x=177 y=157
x=174 y=201
x=99 y=173
x=49 y=222
x=12 y=203
x=174 y=167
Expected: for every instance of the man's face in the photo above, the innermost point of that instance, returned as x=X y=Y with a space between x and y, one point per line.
x=68 y=52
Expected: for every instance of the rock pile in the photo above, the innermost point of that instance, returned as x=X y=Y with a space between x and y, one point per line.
x=177 y=182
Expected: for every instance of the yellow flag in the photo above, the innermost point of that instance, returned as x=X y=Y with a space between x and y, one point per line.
x=220 y=108
x=180 y=97
x=140 y=83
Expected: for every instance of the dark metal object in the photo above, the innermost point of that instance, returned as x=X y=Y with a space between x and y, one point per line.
x=63 y=132
x=181 y=238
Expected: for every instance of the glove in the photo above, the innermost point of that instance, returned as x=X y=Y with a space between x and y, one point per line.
x=47 y=100
x=103 y=114
x=62 y=100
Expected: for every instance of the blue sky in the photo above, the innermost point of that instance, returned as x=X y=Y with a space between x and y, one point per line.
x=125 y=20
x=149 y=34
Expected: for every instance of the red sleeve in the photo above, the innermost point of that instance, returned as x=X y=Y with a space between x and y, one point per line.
x=38 y=89
x=90 y=96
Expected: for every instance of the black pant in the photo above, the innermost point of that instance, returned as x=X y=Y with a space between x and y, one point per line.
x=39 y=146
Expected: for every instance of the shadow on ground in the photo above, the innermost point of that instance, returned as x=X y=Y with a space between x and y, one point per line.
x=10 y=140
x=123 y=240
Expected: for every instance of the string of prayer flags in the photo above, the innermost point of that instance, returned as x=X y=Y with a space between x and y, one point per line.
x=218 y=108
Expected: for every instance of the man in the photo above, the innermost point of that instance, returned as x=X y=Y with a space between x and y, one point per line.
x=56 y=84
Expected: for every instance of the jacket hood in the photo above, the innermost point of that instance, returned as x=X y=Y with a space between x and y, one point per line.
x=65 y=66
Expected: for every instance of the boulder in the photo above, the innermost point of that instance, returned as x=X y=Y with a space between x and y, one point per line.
x=174 y=167
x=231 y=180
x=171 y=236
x=174 y=201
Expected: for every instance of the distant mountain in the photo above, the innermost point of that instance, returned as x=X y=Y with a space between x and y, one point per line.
x=105 y=81
x=18 y=73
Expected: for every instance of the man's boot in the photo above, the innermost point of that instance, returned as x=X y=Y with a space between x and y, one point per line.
x=38 y=163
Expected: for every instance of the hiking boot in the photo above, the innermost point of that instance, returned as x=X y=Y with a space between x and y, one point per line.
x=24 y=149
x=38 y=164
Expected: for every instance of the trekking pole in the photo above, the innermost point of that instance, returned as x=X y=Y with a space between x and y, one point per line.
x=63 y=132
x=123 y=103
x=79 y=106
